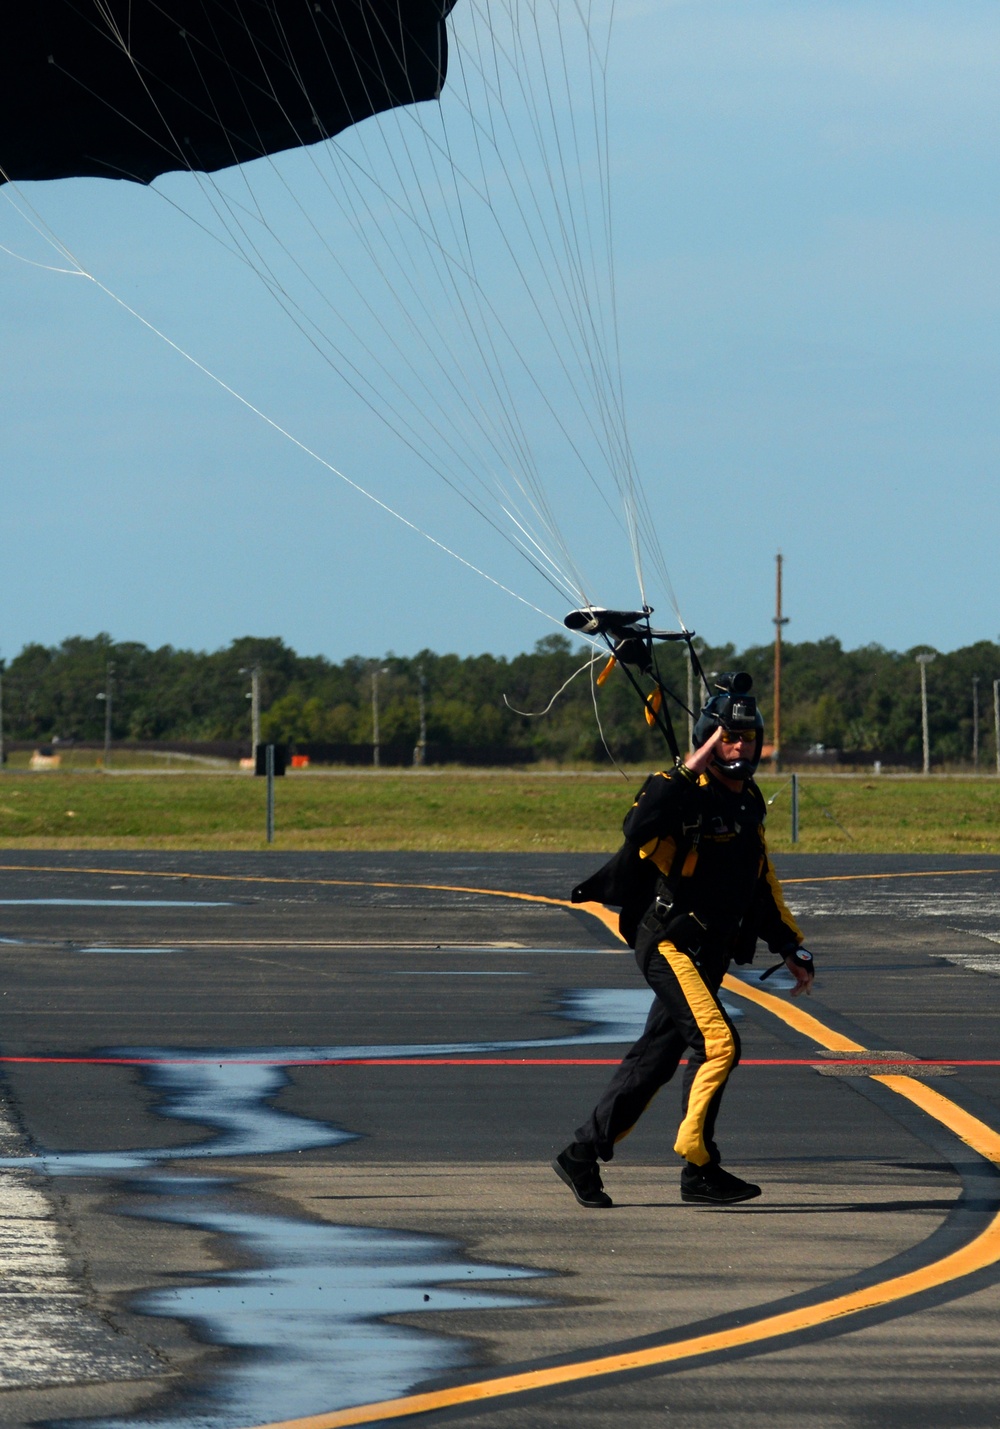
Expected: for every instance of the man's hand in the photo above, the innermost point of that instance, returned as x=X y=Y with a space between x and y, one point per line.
x=699 y=759
x=800 y=964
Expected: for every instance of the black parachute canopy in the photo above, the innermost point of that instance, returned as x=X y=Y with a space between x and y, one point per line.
x=131 y=89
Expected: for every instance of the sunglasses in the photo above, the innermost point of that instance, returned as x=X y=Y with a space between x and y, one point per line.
x=738 y=736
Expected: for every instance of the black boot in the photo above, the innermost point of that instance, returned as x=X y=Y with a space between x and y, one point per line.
x=577 y=1166
x=711 y=1186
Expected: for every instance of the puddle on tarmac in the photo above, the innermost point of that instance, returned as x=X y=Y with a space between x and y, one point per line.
x=306 y=1323
x=231 y=1090
x=232 y=1097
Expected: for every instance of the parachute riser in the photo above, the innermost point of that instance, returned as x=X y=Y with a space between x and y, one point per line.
x=630 y=640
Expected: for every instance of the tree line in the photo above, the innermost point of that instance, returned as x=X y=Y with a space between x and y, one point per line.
x=865 y=702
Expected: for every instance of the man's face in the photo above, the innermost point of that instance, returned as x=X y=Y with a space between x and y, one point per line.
x=735 y=744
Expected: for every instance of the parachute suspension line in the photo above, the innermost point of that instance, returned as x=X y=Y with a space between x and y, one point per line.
x=631 y=496
x=593 y=329
x=440 y=244
x=491 y=135
x=642 y=529
x=466 y=367
x=561 y=263
x=38 y=224
x=600 y=727
x=469 y=259
x=527 y=479
x=538 y=714
x=33 y=263
x=453 y=227
x=34 y=220
x=496 y=366
x=626 y=490
x=495 y=374
x=277 y=290
x=308 y=451
x=271 y=282
x=241 y=241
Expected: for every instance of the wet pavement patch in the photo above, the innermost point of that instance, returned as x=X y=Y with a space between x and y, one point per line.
x=308 y=1319
x=305 y=1320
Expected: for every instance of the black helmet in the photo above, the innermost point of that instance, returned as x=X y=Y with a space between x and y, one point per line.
x=734 y=707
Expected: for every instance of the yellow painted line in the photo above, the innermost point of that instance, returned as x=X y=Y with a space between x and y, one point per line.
x=865 y=877
x=970 y=1129
x=445 y=887
x=794 y=1016
x=604 y=915
x=596 y=910
x=306 y=883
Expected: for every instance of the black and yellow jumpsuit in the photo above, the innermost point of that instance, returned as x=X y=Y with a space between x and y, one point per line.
x=717 y=894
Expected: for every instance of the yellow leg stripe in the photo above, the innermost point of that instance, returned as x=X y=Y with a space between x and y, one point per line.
x=720 y=1053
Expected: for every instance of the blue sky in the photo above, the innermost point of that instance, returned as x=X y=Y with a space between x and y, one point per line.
x=805 y=206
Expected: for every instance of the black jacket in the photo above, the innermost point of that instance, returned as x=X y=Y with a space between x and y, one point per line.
x=699 y=847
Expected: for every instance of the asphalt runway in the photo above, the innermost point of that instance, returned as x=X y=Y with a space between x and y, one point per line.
x=275 y=1134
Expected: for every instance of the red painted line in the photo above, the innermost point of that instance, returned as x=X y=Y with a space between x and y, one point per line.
x=818 y=1061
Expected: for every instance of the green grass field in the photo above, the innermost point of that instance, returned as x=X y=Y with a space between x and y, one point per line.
x=473 y=810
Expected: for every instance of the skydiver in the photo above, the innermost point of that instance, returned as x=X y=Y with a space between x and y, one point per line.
x=695 y=858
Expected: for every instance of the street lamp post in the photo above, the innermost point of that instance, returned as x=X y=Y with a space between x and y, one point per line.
x=923 y=661
x=254 y=697
x=779 y=621
x=975 y=724
x=105 y=695
x=420 y=753
x=996 y=719
x=377 y=670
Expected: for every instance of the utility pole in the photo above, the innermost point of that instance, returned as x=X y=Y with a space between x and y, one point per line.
x=106 y=697
x=923 y=661
x=996 y=719
x=377 y=670
x=254 y=697
x=420 y=753
x=269 y=774
x=779 y=621
x=693 y=696
x=975 y=724
x=3 y=666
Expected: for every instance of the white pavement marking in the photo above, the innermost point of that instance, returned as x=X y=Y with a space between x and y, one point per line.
x=974 y=912
x=48 y=1333
x=983 y=960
